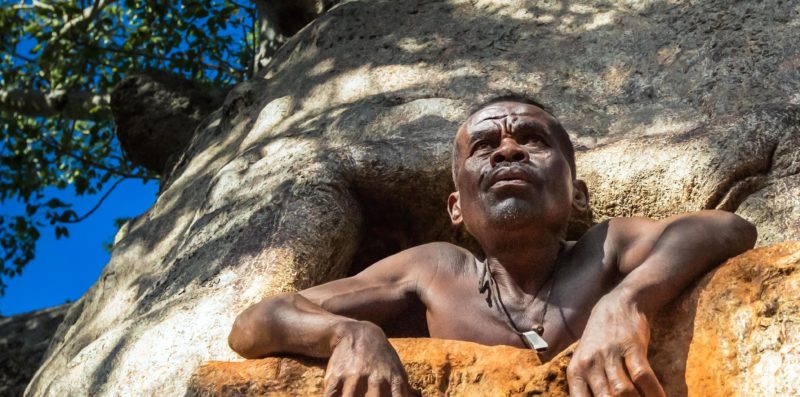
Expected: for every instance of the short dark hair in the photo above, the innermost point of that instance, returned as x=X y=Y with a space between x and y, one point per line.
x=561 y=134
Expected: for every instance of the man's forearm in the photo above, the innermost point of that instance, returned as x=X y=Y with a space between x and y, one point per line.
x=290 y=323
x=360 y=359
x=612 y=354
x=689 y=246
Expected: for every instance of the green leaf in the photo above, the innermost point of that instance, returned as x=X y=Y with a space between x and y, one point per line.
x=67 y=216
x=56 y=203
x=30 y=209
x=61 y=231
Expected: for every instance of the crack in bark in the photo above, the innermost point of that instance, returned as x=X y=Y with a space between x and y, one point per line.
x=739 y=188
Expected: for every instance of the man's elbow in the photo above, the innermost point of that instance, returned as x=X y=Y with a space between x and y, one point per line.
x=740 y=234
x=240 y=339
x=250 y=333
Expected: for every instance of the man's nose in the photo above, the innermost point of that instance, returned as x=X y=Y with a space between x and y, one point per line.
x=509 y=151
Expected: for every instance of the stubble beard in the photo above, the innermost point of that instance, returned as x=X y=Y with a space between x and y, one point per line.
x=512 y=213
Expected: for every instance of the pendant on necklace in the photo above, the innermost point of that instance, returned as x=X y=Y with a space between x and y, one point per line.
x=534 y=341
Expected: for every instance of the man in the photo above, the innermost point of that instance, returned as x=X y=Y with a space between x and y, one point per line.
x=514 y=171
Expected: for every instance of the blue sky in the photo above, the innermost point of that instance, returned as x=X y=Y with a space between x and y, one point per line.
x=64 y=269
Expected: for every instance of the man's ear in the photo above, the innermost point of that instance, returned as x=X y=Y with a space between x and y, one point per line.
x=580 y=196
x=454 y=208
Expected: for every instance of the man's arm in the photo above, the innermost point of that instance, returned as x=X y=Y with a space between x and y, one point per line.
x=658 y=259
x=338 y=320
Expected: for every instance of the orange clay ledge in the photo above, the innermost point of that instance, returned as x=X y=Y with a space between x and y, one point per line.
x=736 y=333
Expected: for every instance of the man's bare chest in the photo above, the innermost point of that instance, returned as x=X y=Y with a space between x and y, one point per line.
x=456 y=308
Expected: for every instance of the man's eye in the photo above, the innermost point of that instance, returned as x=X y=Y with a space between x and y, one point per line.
x=482 y=145
x=535 y=140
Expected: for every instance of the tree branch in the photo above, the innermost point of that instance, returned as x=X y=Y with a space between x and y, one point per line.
x=39 y=4
x=240 y=5
x=220 y=66
x=23 y=7
x=69 y=104
x=96 y=206
x=58 y=149
x=158 y=57
x=86 y=16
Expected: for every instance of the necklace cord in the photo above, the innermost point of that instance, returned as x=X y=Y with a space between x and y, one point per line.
x=487 y=281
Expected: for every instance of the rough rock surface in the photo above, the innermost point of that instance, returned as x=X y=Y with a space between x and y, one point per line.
x=748 y=163
x=735 y=334
x=23 y=341
x=435 y=367
x=340 y=155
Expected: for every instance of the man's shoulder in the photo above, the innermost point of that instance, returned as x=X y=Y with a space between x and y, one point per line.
x=607 y=238
x=613 y=238
x=438 y=257
x=420 y=262
x=440 y=251
x=614 y=230
x=441 y=246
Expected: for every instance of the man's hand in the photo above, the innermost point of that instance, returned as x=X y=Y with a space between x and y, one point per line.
x=658 y=260
x=363 y=363
x=611 y=358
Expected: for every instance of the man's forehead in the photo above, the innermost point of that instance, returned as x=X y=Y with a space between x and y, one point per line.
x=500 y=110
x=503 y=109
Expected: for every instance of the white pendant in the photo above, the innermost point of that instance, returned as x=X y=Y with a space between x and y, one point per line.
x=534 y=341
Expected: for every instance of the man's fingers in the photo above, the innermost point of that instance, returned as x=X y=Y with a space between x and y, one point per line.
x=578 y=387
x=400 y=388
x=643 y=376
x=354 y=386
x=598 y=382
x=333 y=386
x=587 y=378
x=351 y=386
x=577 y=377
x=618 y=381
x=378 y=388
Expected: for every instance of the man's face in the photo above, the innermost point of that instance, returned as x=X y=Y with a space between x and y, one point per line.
x=511 y=170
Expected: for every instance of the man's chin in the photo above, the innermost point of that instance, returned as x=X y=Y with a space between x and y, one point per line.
x=512 y=214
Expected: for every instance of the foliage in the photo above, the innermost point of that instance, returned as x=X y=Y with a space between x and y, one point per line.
x=59 y=61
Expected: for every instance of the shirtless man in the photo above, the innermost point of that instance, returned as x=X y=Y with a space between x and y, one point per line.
x=514 y=171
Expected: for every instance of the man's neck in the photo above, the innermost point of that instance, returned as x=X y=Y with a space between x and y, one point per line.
x=521 y=264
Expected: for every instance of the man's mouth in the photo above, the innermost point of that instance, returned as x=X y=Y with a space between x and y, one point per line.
x=510 y=176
